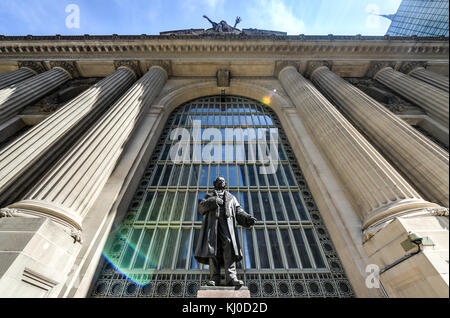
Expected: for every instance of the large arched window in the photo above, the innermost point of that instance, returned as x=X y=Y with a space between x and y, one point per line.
x=288 y=253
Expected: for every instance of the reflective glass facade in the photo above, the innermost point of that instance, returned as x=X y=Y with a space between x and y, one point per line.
x=421 y=18
x=288 y=253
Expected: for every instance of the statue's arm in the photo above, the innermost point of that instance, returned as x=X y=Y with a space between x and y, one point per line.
x=213 y=23
x=207 y=204
x=243 y=218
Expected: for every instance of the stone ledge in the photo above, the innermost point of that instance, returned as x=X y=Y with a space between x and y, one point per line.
x=223 y=292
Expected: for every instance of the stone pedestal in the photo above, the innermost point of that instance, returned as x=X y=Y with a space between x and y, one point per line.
x=223 y=292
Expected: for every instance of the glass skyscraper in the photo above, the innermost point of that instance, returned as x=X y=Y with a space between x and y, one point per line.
x=420 y=17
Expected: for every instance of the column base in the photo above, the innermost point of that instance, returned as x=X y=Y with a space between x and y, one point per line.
x=36 y=257
x=425 y=274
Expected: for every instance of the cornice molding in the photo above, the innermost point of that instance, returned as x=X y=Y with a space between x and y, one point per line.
x=165 y=47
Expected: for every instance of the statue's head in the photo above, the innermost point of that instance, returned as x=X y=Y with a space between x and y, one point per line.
x=220 y=183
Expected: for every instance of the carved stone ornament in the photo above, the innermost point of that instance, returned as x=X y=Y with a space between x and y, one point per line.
x=441 y=211
x=407 y=67
x=223 y=78
x=35 y=66
x=70 y=67
x=76 y=235
x=313 y=65
x=375 y=66
x=132 y=65
x=8 y=213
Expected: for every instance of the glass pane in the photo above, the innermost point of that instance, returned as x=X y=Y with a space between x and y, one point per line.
x=301 y=248
x=249 y=253
x=244 y=201
x=299 y=205
x=169 y=249
x=288 y=248
x=184 y=176
x=178 y=207
x=176 y=175
x=146 y=206
x=213 y=174
x=289 y=177
x=167 y=207
x=314 y=248
x=251 y=176
x=204 y=176
x=266 y=205
x=155 y=249
x=289 y=208
x=131 y=246
x=190 y=205
x=193 y=181
x=280 y=177
x=157 y=206
x=141 y=254
x=232 y=177
x=166 y=175
x=278 y=206
x=194 y=263
x=183 y=249
x=256 y=206
x=262 y=249
x=275 y=248
x=156 y=175
x=241 y=176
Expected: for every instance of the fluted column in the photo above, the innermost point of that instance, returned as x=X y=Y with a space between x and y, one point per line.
x=71 y=186
x=16 y=76
x=16 y=97
x=425 y=164
x=23 y=160
x=431 y=78
x=379 y=191
x=433 y=100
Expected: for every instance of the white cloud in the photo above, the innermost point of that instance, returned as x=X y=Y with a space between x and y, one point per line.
x=274 y=15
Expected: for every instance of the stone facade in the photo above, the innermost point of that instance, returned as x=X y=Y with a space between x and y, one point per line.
x=349 y=106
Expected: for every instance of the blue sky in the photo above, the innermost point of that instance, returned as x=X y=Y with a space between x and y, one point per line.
x=311 y=17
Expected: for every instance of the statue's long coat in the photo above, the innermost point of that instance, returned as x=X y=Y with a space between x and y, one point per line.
x=207 y=240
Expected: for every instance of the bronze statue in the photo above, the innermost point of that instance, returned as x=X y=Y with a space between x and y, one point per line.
x=218 y=242
x=222 y=26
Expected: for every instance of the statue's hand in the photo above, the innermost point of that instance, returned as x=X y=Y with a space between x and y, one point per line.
x=219 y=201
x=252 y=221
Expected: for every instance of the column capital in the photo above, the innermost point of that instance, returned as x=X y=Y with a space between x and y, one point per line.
x=35 y=67
x=69 y=67
x=376 y=66
x=408 y=67
x=280 y=65
x=166 y=65
x=312 y=66
x=132 y=65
